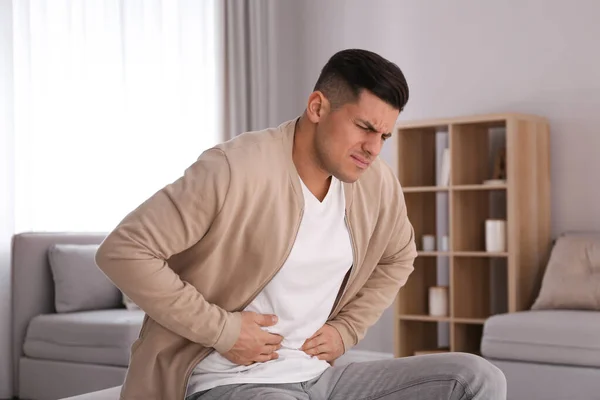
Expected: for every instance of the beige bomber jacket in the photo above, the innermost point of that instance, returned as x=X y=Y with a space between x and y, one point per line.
x=200 y=249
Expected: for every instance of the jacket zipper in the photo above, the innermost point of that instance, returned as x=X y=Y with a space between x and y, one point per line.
x=289 y=250
x=352 y=268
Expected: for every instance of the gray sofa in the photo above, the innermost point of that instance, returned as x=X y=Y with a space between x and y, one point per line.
x=546 y=354
x=552 y=352
x=62 y=354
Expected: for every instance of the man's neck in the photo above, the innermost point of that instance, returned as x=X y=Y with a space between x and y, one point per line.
x=303 y=154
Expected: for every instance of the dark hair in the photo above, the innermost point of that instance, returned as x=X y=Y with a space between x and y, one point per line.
x=350 y=71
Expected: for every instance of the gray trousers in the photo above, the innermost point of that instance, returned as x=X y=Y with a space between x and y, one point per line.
x=450 y=376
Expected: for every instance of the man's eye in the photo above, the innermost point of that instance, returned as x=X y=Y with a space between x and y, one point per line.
x=385 y=137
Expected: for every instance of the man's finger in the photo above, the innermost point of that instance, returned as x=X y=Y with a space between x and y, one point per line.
x=315 y=335
x=270 y=348
x=272 y=338
x=319 y=349
x=265 y=319
x=312 y=343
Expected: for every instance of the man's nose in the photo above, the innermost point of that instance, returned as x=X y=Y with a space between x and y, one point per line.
x=372 y=146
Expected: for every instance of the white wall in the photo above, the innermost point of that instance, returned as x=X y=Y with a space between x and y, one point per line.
x=471 y=57
x=6 y=198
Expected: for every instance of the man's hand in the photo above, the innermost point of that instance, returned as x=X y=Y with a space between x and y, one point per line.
x=254 y=344
x=326 y=344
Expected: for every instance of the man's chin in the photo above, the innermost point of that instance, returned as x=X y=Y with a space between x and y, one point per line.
x=347 y=178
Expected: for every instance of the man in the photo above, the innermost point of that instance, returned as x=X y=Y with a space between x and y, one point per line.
x=274 y=254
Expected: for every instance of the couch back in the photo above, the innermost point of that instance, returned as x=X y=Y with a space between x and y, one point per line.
x=33 y=284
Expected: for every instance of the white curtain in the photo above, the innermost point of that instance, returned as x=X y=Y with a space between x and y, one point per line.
x=113 y=100
x=247 y=46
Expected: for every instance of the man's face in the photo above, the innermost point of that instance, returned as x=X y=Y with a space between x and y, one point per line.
x=349 y=138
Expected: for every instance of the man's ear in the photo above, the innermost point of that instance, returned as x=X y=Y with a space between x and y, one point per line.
x=317 y=107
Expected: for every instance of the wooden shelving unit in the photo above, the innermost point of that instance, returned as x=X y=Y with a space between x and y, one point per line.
x=480 y=284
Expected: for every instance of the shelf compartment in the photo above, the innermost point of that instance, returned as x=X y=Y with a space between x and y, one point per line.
x=467 y=338
x=474 y=148
x=416 y=149
x=417 y=336
x=470 y=209
x=421 y=213
x=479 y=287
x=413 y=297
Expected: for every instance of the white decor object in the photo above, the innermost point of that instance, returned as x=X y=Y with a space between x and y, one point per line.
x=438 y=301
x=495 y=235
x=494 y=182
x=445 y=168
x=428 y=242
x=445 y=243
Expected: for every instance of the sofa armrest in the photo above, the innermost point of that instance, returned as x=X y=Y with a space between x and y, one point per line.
x=33 y=284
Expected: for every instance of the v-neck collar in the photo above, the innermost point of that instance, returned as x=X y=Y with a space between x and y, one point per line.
x=313 y=199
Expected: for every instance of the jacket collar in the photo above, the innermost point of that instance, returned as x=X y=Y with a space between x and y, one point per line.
x=289 y=129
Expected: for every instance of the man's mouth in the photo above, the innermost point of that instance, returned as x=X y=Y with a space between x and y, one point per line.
x=361 y=162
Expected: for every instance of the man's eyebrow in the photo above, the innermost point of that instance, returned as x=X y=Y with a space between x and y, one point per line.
x=371 y=127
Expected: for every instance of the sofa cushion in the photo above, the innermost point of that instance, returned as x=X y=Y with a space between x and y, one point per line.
x=94 y=337
x=555 y=337
x=572 y=276
x=79 y=285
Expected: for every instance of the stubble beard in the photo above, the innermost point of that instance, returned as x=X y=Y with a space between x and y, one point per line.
x=324 y=162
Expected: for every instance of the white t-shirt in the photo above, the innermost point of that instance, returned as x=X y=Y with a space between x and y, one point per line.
x=301 y=294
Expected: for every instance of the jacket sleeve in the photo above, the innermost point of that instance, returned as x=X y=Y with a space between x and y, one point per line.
x=134 y=254
x=381 y=288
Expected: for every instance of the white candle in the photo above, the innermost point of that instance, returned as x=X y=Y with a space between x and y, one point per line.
x=495 y=235
x=438 y=301
x=428 y=243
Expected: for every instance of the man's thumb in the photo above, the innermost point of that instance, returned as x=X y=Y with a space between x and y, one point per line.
x=266 y=319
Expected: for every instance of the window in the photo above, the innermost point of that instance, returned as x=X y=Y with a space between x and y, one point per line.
x=113 y=100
